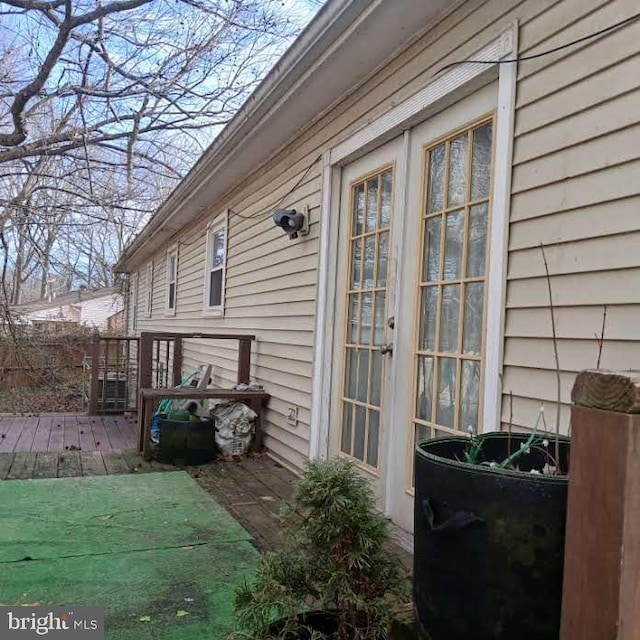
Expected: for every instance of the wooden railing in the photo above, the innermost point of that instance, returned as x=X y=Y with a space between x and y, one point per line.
x=121 y=367
x=113 y=386
x=150 y=398
x=150 y=341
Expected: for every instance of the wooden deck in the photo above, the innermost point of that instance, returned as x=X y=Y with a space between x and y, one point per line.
x=251 y=489
x=70 y=432
x=60 y=446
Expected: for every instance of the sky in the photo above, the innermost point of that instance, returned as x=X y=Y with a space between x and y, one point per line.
x=301 y=11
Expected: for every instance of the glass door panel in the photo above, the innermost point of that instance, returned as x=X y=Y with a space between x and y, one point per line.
x=451 y=296
x=371 y=214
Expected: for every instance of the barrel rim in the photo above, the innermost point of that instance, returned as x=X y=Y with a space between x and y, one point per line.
x=484 y=470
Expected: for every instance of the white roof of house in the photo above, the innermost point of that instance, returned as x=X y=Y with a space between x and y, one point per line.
x=71 y=298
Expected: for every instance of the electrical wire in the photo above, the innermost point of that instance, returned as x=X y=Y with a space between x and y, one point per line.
x=533 y=56
x=284 y=197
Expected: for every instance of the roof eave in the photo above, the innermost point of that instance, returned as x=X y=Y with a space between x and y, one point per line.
x=295 y=62
x=309 y=79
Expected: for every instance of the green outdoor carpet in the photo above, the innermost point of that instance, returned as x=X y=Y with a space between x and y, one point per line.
x=155 y=550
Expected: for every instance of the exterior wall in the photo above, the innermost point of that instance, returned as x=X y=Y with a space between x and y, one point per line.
x=95 y=312
x=575 y=189
x=576 y=156
x=66 y=313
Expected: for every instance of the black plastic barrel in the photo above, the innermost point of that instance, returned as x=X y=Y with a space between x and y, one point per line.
x=186 y=443
x=489 y=543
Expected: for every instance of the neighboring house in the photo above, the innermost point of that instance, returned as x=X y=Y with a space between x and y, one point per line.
x=90 y=308
x=418 y=301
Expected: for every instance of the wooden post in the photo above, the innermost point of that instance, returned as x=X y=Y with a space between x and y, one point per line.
x=127 y=376
x=244 y=361
x=601 y=591
x=177 y=362
x=95 y=373
x=145 y=366
x=148 y=407
x=145 y=360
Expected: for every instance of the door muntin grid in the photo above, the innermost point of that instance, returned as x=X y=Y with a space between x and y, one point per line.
x=370 y=212
x=451 y=299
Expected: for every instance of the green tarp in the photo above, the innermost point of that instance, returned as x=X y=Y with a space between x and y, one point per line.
x=155 y=550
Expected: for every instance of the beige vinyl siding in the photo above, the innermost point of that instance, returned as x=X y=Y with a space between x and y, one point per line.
x=576 y=161
x=270 y=292
x=575 y=189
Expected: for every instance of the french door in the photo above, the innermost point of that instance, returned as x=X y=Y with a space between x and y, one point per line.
x=365 y=299
x=410 y=324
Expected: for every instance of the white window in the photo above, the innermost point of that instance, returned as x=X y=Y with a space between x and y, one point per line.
x=172 y=280
x=149 y=289
x=216 y=263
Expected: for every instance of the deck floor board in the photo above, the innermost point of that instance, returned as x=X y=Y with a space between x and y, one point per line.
x=69 y=432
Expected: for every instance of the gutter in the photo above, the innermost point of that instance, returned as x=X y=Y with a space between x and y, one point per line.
x=332 y=20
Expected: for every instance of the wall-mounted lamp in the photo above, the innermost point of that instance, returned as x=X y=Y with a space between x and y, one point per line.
x=293 y=222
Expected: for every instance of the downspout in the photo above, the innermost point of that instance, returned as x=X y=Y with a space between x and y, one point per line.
x=127 y=288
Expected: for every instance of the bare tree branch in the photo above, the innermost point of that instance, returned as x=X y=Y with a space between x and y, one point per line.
x=104 y=106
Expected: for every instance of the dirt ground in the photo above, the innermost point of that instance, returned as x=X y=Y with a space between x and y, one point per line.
x=66 y=399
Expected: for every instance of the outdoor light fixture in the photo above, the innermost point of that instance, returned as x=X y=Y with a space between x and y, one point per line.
x=293 y=222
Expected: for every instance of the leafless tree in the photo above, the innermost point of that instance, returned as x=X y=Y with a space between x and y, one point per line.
x=116 y=72
x=104 y=105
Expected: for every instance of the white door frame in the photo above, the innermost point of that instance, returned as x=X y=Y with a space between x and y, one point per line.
x=446 y=88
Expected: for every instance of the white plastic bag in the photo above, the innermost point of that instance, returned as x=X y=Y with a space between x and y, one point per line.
x=234 y=427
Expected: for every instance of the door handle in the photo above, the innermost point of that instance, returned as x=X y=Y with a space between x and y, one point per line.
x=386 y=349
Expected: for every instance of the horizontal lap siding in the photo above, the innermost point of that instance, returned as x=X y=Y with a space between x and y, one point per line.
x=576 y=190
x=563 y=106
x=271 y=285
x=270 y=292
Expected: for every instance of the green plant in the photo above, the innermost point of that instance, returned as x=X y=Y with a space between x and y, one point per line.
x=474 y=453
x=338 y=560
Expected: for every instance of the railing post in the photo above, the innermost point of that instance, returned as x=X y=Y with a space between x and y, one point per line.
x=601 y=598
x=95 y=373
x=177 y=361
x=145 y=376
x=244 y=361
x=145 y=360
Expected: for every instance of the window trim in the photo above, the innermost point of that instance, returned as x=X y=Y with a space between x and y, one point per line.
x=220 y=221
x=149 y=291
x=171 y=311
